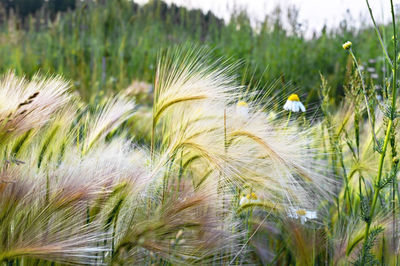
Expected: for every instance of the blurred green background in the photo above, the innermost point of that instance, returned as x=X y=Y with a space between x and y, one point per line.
x=105 y=45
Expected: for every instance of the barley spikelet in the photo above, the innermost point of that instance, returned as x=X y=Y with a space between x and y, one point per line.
x=26 y=105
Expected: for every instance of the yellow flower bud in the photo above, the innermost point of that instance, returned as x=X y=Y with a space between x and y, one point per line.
x=347 y=45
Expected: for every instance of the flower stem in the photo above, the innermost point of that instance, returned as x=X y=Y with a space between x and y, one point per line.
x=288 y=119
x=393 y=141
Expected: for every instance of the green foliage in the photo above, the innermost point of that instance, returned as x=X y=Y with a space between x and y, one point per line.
x=23 y=7
x=386 y=181
x=366 y=257
x=189 y=180
x=29 y=7
x=104 y=46
x=365 y=208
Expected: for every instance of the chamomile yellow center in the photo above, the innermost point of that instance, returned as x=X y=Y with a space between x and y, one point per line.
x=242 y=103
x=252 y=196
x=301 y=212
x=294 y=98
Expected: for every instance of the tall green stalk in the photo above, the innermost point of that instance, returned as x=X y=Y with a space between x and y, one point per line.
x=378 y=188
x=393 y=140
x=389 y=125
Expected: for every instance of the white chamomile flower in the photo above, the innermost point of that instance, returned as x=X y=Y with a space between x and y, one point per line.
x=293 y=104
x=302 y=214
x=249 y=198
x=242 y=108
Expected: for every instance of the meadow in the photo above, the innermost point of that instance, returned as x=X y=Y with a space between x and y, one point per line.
x=103 y=47
x=155 y=135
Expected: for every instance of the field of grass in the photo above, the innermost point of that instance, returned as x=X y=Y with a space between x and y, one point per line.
x=160 y=136
x=105 y=46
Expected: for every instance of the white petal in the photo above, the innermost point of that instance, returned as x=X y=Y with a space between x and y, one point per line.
x=292 y=106
x=311 y=214
x=292 y=213
x=287 y=105
x=296 y=107
x=303 y=109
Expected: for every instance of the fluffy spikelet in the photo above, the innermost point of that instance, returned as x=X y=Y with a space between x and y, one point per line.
x=190 y=94
x=348 y=237
x=65 y=211
x=189 y=78
x=26 y=105
x=107 y=165
x=197 y=139
x=185 y=227
x=83 y=199
x=367 y=165
x=59 y=135
x=34 y=223
x=113 y=114
x=213 y=140
x=281 y=160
